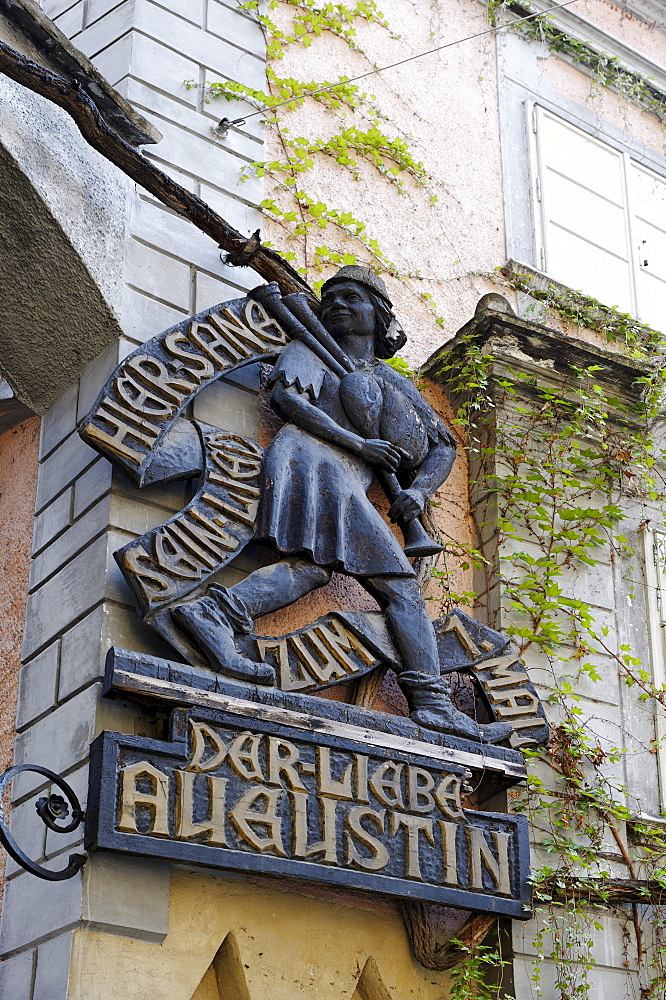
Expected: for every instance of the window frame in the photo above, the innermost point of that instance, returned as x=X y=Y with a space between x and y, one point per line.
x=522 y=84
x=540 y=201
x=656 y=608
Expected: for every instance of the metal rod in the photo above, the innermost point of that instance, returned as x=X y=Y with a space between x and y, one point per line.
x=299 y=304
x=269 y=296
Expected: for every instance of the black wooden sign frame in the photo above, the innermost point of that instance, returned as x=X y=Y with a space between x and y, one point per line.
x=111 y=751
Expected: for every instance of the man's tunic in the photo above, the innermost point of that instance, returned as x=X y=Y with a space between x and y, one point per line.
x=313 y=494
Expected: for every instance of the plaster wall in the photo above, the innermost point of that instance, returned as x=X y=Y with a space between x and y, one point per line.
x=18 y=482
x=136 y=927
x=446 y=106
x=84 y=192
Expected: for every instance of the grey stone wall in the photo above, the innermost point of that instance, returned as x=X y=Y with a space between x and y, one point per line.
x=149 y=52
x=162 y=270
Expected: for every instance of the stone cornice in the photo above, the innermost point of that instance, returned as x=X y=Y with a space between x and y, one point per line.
x=569 y=21
x=518 y=345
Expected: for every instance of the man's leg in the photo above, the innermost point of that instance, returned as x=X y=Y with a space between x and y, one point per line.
x=412 y=631
x=401 y=600
x=213 y=620
x=279 y=585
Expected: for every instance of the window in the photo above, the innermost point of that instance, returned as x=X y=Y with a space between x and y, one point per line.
x=655 y=578
x=600 y=218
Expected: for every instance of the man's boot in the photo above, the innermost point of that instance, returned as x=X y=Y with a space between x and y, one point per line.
x=212 y=622
x=430 y=707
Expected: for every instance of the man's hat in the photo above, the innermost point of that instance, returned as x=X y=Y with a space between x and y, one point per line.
x=362 y=276
x=390 y=336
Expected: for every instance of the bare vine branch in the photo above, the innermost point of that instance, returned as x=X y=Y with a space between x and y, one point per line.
x=601 y=891
x=441 y=956
x=73 y=99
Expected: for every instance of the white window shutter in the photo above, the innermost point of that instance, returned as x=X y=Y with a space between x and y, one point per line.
x=648 y=200
x=583 y=212
x=655 y=579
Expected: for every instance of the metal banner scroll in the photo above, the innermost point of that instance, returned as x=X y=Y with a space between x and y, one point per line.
x=176 y=559
x=146 y=394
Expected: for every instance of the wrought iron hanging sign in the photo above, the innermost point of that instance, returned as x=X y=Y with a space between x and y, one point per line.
x=260 y=774
x=60 y=813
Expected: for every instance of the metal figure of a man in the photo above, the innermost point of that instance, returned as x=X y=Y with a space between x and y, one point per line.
x=314 y=510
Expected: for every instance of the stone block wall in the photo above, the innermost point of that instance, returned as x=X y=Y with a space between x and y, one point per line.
x=78 y=603
x=151 y=53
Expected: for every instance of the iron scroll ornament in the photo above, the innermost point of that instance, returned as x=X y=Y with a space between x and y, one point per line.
x=50 y=810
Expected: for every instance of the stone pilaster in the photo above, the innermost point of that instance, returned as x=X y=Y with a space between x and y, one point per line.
x=79 y=604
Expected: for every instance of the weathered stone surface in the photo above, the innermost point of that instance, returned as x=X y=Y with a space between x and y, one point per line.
x=37 y=685
x=62 y=844
x=128 y=896
x=143 y=315
x=59 y=741
x=29 y=833
x=224 y=405
x=90 y=486
x=16 y=975
x=65 y=597
x=71 y=541
x=25 y=918
x=203 y=47
x=53 y=962
x=81 y=659
x=62 y=466
x=160 y=275
x=52 y=521
x=59 y=421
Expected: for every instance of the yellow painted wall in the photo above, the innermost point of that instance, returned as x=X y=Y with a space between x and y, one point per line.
x=283 y=946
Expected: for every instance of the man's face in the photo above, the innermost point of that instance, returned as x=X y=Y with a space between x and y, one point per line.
x=346 y=308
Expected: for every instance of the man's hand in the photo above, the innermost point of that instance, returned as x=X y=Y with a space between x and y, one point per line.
x=408 y=505
x=377 y=452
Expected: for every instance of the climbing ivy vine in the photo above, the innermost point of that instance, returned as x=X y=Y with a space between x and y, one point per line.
x=326 y=234
x=573 y=472
x=564 y=465
x=468 y=978
x=579 y=310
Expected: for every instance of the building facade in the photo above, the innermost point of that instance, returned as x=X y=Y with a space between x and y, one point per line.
x=511 y=190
